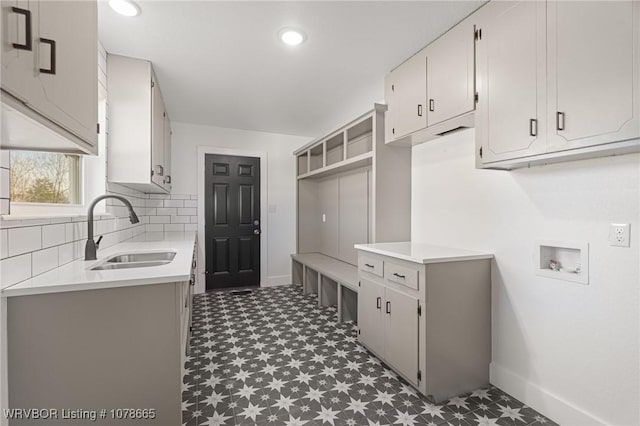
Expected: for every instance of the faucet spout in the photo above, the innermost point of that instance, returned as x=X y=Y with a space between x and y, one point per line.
x=91 y=247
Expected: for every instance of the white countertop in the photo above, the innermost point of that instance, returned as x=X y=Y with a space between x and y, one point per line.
x=423 y=253
x=78 y=275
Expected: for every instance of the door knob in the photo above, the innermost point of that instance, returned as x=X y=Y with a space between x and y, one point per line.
x=256 y=232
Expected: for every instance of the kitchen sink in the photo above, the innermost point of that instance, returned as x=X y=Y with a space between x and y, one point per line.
x=136 y=260
x=143 y=257
x=130 y=265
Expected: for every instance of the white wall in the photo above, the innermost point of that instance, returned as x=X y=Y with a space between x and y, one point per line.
x=569 y=350
x=281 y=189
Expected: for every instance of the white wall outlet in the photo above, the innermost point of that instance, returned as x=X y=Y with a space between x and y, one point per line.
x=619 y=234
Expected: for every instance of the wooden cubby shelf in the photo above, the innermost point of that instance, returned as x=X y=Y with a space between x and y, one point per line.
x=352 y=189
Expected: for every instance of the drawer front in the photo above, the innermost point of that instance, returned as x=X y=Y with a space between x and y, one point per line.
x=401 y=275
x=371 y=265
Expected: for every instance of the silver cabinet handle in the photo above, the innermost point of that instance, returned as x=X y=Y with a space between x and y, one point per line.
x=533 y=127
x=419 y=110
x=559 y=120
x=379 y=302
x=432 y=105
x=388 y=307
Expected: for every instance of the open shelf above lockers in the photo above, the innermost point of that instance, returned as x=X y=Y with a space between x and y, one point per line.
x=352 y=189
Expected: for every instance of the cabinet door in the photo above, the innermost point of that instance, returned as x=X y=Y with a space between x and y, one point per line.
x=370 y=315
x=17 y=63
x=66 y=65
x=511 y=62
x=593 y=72
x=167 y=152
x=451 y=74
x=401 y=333
x=157 y=134
x=329 y=221
x=409 y=88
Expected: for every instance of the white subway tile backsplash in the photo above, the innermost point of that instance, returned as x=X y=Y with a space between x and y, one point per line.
x=166 y=211
x=4 y=206
x=68 y=232
x=191 y=203
x=53 y=235
x=173 y=203
x=4 y=247
x=4 y=183
x=15 y=269
x=155 y=228
x=174 y=227
x=191 y=227
x=44 y=260
x=194 y=219
x=180 y=219
x=159 y=196
x=160 y=219
x=4 y=158
x=187 y=212
x=24 y=240
x=65 y=253
x=154 y=203
x=180 y=196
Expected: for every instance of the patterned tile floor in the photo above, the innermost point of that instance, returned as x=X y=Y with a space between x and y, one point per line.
x=273 y=357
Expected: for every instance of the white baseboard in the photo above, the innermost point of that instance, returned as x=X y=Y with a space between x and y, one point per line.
x=277 y=280
x=541 y=400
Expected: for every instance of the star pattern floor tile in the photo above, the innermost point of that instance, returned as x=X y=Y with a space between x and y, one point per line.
x=273 y=357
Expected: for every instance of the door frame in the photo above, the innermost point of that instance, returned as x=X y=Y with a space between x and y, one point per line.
x=203 y=150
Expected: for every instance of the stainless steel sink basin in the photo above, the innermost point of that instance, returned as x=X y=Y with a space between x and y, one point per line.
x=143 y=257
x=130 y=265
x=136 y=260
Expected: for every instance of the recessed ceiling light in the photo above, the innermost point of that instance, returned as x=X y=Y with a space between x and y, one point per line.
x=125 y=7
x=291 y=36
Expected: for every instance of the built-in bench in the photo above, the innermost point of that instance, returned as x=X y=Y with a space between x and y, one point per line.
x=335 y=282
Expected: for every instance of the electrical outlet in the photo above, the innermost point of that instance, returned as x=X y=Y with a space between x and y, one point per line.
x=619 y=234
x=324 y=217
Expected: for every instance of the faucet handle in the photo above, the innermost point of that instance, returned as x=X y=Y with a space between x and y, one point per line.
x=98 y=242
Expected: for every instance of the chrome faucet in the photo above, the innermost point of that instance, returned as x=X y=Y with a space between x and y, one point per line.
x=91 y=247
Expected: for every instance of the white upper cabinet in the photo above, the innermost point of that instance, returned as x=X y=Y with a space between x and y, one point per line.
x=511 y=60
x=157 y=134
x=406 y=97
x=593 y=50
x=450 y=74
x=50 y=69
x=139 y=129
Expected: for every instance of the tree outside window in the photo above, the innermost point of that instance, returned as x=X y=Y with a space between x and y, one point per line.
x=45 y=177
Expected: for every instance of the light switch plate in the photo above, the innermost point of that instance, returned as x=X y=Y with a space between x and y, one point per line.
x=619 y=234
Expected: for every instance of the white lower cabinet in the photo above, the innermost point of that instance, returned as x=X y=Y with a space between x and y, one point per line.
x=429 y=320
x=388 y=320
x=401 y=333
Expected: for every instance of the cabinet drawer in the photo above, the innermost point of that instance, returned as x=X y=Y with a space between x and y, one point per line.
x=371 y=265
x=401 y=275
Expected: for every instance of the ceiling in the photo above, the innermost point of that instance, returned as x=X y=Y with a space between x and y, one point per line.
x=221 y=63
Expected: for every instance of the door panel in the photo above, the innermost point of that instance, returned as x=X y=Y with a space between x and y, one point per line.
x=370 y=315
x=450 y=74
x=14 y=61
x=70 y=96
x=411 y=95
x=593 y=79
x=232 y=221
x=511 y=72
x=353 y=215
x=401 y=333
x=328 y=197
x=157 y=134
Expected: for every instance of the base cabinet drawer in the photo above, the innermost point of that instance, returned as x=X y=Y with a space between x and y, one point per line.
x=372 y=265
x=401 y=275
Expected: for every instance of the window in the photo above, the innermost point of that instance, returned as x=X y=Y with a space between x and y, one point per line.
x=45 y=177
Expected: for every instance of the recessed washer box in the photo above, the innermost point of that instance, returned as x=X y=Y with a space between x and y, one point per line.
x=562 y=260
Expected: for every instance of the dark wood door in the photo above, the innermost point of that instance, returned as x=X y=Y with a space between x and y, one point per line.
x=232 y=221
